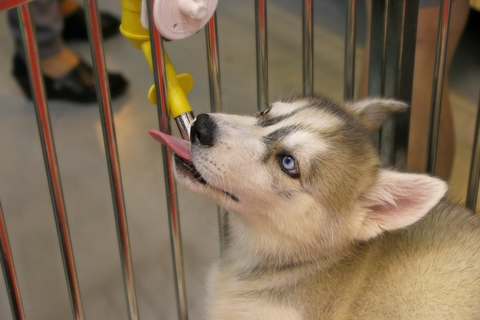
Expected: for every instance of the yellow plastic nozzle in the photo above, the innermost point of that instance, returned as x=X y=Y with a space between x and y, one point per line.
x=152 y=95
x=147 y=51
x=177 y=86
x=131 y=26
x=185 y=80
x=177 y=100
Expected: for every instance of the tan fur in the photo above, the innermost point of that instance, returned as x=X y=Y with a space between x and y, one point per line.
x=339 y=238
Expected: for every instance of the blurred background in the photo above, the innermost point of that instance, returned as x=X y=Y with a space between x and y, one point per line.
x=78 y=136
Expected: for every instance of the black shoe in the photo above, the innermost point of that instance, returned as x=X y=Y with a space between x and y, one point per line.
x=75 y=27
x=473 y=22
x=77 y=86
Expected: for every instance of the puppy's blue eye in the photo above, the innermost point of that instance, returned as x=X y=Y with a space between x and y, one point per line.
x=289 y=165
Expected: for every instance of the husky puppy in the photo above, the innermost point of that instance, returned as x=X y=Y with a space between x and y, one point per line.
x=317 y=229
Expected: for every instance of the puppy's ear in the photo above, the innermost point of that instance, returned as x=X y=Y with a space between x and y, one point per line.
x=397 y=200
x=374 y=112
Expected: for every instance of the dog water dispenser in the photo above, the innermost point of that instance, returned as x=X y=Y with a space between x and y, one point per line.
x=178 y=19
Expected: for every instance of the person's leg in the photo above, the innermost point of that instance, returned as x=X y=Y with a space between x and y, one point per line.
x=68 y=7
x=57 y=21
x=422 y=88
x=75 y=28
x=55 y=58
x=48 y=24
x=66 y=77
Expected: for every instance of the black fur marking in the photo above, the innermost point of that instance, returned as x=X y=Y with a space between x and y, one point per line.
x=272 y=121
x=323 y=103
x=265 y=122
x=270 y=139
x=279 y=134
x=234 y=198
x=286 y=194
x=264 y=112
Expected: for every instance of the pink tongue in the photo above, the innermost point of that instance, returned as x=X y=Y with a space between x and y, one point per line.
x=179 y=146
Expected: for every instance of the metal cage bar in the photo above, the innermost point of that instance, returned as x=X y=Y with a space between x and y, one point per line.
x=48 y=147
x=307 y=48
x=399 y=65
x=378 y=53
x=391 y=75
x=437 y=89
x=158 y=62
x=474 y=176
x=7 y=4
x=378 y=48
x=6 y=260
x=111 y=150
x=213 y=60
x=262 y=53
x=350 y=35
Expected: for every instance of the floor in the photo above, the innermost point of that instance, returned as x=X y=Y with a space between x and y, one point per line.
x=23 y=185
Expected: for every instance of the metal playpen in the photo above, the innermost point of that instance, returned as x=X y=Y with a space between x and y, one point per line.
x=393 y=36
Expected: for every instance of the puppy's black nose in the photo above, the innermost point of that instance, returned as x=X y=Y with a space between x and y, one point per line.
x=203 y=130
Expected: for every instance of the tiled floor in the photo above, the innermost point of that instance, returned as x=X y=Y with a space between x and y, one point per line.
x=79 y=143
